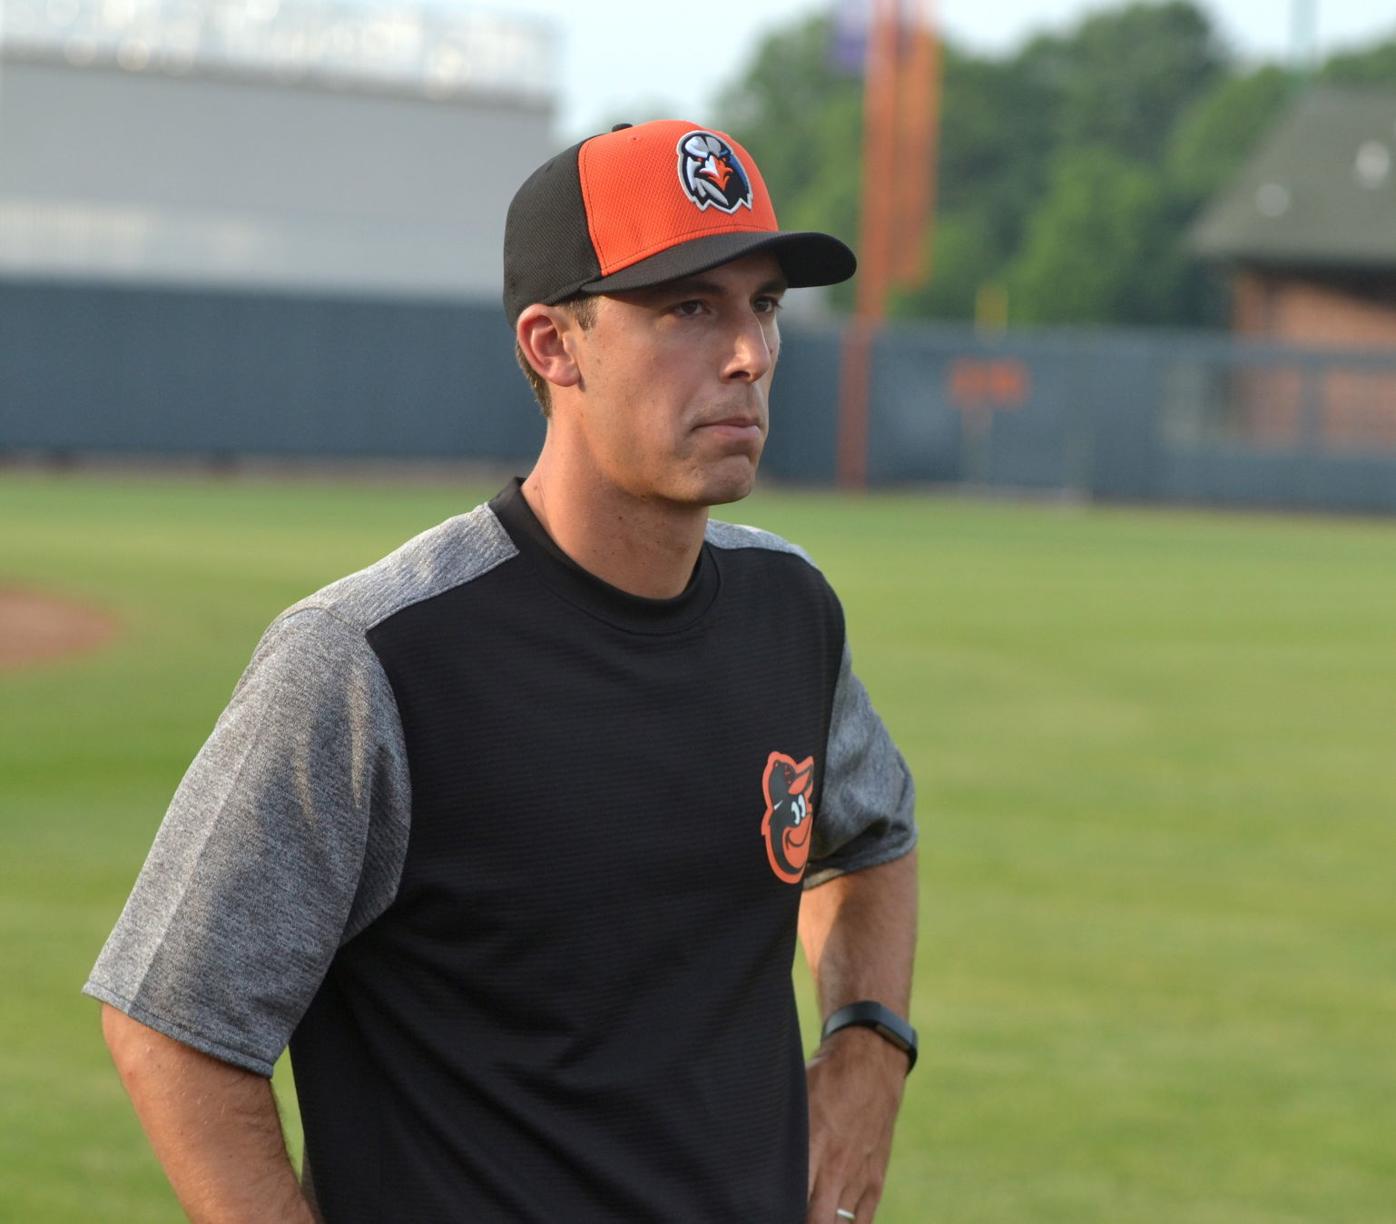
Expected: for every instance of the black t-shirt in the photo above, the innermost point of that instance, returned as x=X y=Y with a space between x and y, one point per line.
x=516 y=861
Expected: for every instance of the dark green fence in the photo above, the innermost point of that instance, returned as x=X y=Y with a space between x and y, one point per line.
x=1150 y=416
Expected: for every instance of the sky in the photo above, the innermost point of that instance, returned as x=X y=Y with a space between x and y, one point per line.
x=620 y=55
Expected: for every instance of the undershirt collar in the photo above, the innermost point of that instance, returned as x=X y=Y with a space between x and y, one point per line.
x=583 y=589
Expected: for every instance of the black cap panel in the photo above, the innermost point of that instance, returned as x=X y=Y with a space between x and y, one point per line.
x=542 y=234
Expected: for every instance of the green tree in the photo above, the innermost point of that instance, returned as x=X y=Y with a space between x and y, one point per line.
x=963 y=256
x=1100 y=249
x=1123 y=76
x=1215 y=136
x=995 y=149
x=1373 y=66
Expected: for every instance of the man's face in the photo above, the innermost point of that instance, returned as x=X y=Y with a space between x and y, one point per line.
x=676 y=381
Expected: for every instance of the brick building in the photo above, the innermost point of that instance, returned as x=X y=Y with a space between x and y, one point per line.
x=1308 y=230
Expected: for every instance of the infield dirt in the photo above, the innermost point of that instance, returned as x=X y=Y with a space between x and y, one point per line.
x=39 y=628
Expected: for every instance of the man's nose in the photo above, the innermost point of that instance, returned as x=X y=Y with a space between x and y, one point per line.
x=753 y=349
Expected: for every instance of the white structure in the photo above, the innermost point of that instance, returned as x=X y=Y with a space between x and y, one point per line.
x=298 y=145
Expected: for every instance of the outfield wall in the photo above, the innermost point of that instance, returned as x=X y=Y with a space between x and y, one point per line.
x=1150 y=416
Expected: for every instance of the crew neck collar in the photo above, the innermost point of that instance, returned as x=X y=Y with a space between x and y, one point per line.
x=583 y=589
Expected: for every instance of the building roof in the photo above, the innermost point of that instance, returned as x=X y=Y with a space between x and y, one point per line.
x=1319 y=190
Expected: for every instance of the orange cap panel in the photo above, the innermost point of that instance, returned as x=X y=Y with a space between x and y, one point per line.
x=636 y=200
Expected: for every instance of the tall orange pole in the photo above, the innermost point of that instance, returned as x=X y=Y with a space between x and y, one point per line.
x=874 y=243
x=880 y=129
x=901 y=113
x=920 y=114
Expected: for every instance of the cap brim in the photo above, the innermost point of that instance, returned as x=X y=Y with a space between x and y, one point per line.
x=808 y=258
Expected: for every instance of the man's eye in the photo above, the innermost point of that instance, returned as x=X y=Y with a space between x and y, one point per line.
x=768 y=305
x=689 y=309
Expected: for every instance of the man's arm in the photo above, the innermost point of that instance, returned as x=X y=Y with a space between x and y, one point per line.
x=859 y=936
x=214 y=1128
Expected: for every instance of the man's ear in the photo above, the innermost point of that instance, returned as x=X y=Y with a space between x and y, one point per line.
x=546 y=339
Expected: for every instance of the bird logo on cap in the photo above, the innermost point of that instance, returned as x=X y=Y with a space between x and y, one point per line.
x=711 y=173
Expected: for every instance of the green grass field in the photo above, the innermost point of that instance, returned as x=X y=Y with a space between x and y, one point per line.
x=1155 y=753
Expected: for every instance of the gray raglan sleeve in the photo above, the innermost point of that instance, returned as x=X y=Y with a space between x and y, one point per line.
x=284 y=839
x=867 y=815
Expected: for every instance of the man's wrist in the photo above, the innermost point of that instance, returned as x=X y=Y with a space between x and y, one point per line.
x=877 y=1020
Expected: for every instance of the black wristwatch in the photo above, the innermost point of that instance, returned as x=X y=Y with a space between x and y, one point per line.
x=882 y=1020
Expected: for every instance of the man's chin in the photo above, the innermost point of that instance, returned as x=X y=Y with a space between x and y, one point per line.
x=730 y=483
x=712 y=490
x=726 y=497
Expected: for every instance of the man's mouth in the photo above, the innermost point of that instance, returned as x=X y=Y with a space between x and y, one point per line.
x=736 y=426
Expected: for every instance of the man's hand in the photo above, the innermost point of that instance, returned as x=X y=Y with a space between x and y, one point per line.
x=855 y=1088
x=859 y=934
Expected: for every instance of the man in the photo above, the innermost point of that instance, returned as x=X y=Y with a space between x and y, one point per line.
x=509 y=834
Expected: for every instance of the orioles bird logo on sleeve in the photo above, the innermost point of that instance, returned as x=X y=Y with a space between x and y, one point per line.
x=787 y=825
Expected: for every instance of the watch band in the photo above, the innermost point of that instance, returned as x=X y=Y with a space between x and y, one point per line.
x=882 y=1020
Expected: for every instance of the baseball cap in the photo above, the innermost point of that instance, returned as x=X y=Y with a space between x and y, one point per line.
x=648 y=203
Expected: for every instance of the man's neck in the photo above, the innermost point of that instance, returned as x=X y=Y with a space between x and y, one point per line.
x=643 y=547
